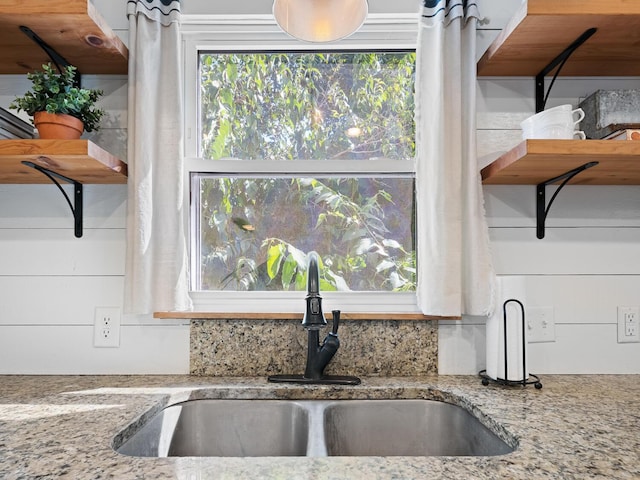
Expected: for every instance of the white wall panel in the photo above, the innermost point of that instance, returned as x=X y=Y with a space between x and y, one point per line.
x=56 y=349
x=563 y=251
x=114 y=88
x=579 y=349
x=585 y=349
x=585 y=316
x=461 y=347
x=503 y=102
x=575 y=206
x=43 y=206
x=58 y=252
x=582 y=299
x=112 y=139
x=497 y=13
x=57 y=300
x=493 y=143
x=114 y=12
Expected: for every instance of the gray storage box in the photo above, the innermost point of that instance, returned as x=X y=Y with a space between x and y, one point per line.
x=607 y=111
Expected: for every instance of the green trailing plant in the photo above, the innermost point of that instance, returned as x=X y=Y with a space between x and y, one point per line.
x=55 y=92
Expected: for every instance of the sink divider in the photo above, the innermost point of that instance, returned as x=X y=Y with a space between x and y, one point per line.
x=316 y=445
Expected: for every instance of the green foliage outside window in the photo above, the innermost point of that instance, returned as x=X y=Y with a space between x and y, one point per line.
x=307 y=107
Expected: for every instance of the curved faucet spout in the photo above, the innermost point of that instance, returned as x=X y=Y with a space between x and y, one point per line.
x=313 y=316
x=313 y=282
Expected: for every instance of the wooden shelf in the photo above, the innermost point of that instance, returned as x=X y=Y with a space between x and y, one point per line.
x=71 y=27
x=542 y=29
x=534 y=42
x=80 y=160
x=536 y=161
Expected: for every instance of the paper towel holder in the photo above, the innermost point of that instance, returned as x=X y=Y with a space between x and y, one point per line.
x=532 y=379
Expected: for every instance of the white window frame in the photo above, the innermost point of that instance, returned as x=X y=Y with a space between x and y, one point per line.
x=260 y=33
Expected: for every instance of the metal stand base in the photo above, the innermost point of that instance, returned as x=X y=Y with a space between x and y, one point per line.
x=324 y=380
x=483 y=373
x=532 y=380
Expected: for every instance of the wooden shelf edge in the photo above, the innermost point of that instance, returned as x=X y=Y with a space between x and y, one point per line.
x=80 y=160
x=503 y=161
x=292 y=316
x=74 y=28
x=541 y=29
x=583 y=7
x=535 y=161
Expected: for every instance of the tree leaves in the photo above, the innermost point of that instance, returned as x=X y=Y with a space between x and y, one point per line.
x=290 y=106
x=299 y=105
x=274 y=258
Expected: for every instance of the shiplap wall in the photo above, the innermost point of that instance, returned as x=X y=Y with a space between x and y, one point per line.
x=51 y=282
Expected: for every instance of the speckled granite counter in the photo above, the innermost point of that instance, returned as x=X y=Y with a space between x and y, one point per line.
x=575 y=427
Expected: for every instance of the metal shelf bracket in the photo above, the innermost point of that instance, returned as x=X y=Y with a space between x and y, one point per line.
x=58 y=60
x=559 y=61
x=76 y=206
x=542 y=209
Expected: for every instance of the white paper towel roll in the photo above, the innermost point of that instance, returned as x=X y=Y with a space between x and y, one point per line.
x=507 y=288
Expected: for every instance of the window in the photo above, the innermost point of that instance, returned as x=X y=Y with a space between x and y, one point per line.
x=307 y=105
x=254 y=232
x=300 y=151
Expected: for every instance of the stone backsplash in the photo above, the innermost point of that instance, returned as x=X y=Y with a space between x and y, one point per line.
x=245 y=347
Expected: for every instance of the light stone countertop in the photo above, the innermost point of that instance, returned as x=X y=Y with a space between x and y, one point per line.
x=576 y=427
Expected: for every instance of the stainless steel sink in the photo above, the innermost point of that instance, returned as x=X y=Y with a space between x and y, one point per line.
x=312 y=428
x=223 y=428
x=406 y=428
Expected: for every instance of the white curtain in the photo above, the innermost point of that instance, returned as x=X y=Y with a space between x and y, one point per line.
x=156 y=275
x=455 y=274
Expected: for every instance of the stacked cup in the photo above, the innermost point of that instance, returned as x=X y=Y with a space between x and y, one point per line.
x=557 y=122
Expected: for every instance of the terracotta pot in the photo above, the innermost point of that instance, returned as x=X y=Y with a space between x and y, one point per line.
x=58 y=126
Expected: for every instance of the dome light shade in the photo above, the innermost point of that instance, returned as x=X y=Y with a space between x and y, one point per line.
x=320 y=20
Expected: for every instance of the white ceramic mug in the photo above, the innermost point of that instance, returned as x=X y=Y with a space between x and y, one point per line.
x=559 y=131
x=557 y=122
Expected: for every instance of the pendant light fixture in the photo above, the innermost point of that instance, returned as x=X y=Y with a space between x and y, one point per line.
x=320 y=20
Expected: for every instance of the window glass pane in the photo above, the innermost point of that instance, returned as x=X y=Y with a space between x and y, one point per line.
x=301 y=105
x=255 y=231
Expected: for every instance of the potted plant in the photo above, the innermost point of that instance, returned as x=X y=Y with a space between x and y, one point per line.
x=54 y=100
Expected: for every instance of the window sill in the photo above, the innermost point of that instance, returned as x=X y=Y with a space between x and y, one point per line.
x=293 y=316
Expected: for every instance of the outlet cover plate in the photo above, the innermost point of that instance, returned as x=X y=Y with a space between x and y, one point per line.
x=628 y=325
x=541 y=325
x=106 y=327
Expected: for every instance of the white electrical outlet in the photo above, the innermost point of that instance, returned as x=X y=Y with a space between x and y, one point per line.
x=541 y=325
x=628 y=324
x=106 y=327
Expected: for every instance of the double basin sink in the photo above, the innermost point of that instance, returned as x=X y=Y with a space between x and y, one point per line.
x=312 y=428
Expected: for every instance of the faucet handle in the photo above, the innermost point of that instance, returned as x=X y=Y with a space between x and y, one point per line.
x=336 y=321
